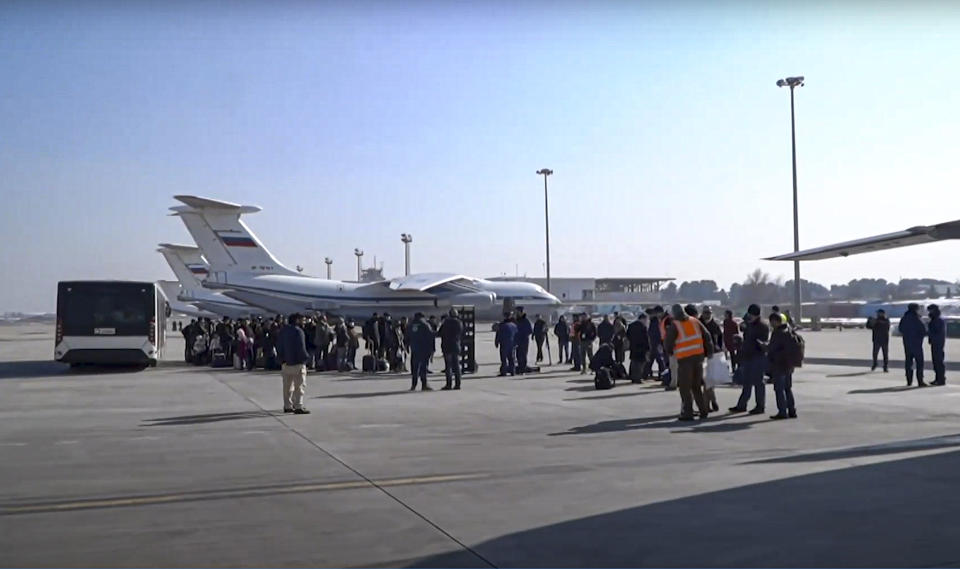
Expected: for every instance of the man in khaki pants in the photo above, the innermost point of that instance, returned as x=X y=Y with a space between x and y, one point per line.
x=292 y=353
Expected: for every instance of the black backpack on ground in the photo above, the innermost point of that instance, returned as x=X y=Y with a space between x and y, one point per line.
x=603 y=379
x=382 y=365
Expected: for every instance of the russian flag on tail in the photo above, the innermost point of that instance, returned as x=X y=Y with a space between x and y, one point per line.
x=236 y=240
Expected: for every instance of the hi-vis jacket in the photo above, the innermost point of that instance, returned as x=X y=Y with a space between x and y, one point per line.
x=685 y=339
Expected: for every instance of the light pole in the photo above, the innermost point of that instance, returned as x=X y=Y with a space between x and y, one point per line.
x=359 y=254
x=793 y=82
x=329 y=263
x=546 y=214
x=407 y=240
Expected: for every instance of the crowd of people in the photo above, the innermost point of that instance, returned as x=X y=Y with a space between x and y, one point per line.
x=677 y=343
x=319 y=343
x=671 y=347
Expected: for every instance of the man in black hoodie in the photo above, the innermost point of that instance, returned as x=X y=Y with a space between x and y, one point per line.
x=451 y=330
x=937 y=336
x=639 y=339
x=881 y=338
x=753 y=360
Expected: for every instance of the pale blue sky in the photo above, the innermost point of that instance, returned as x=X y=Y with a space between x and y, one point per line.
x=352 y=122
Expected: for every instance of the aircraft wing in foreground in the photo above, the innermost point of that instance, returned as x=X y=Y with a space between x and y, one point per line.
x=905 y=238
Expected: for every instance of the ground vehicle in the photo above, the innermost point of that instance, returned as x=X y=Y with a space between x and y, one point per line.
x=110 y=322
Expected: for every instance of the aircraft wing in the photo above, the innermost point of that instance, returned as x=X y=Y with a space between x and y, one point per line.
x=905 y=238
x=423 y=282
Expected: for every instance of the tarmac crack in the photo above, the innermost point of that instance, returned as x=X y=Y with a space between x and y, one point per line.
x=367 y=480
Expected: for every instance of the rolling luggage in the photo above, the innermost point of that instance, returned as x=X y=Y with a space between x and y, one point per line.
x=367 y=363
x=220 y=359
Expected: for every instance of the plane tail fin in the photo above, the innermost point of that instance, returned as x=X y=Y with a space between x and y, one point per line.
x=225 y=240
x=187 y=264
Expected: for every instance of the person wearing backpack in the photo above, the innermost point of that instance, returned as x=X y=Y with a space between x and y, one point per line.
x=783 y=352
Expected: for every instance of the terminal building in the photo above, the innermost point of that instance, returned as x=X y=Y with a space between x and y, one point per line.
x=594 y=290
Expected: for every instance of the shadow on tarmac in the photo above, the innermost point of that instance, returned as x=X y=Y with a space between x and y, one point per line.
x=931 y=443
x=891 y=514
x=48 y=368
x=363 y=395
x=208 y=418
x=894 y=389
x=865 y=363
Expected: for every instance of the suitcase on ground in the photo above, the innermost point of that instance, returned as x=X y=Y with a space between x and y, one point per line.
x=220 y=359
x=367 y=363
x=603 y=379
x=382 y=365
x=330 y=363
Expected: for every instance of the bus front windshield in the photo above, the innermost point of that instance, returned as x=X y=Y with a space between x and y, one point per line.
x=121 y=309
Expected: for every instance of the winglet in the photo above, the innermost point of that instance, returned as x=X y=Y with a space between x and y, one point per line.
x=201 y=203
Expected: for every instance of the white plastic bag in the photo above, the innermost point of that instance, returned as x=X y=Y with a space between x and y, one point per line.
x=718 y=372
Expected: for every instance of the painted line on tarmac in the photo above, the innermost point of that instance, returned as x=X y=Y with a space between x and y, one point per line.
x=228 y=494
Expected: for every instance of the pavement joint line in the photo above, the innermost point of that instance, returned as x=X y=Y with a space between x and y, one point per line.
x=225 y=494
x=368 y=480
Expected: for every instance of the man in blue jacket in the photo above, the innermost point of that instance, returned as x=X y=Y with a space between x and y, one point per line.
x=524 y=331
x=422 y=345
x=292 y=353
x=505 y=340
x=937 y=335
x=913 y=332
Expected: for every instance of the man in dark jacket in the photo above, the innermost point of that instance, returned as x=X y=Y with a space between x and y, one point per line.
x=937 y=335
x=781 y=368
x=913 y=332
x=524 y=331
x=639 y=340
x=505 y=339
x=292 y=353
x=588 y=333
x=753 y=360
x=540 y=335
x=605 y=330
x=562 y=331
x=371 y=333
x=656 y=343
x=881 y=338
x=190 y=333
x=730 y=332
x=451 y=331
x=422 y=345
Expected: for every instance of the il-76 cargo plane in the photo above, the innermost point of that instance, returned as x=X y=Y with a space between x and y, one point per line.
x=242 y=268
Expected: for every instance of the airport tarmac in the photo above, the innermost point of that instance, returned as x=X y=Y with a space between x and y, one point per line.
x=186 y=466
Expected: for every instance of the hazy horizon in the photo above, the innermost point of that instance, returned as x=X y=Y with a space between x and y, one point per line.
x=352 y=123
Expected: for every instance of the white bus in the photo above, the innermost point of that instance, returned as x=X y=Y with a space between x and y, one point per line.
x=110 y=322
